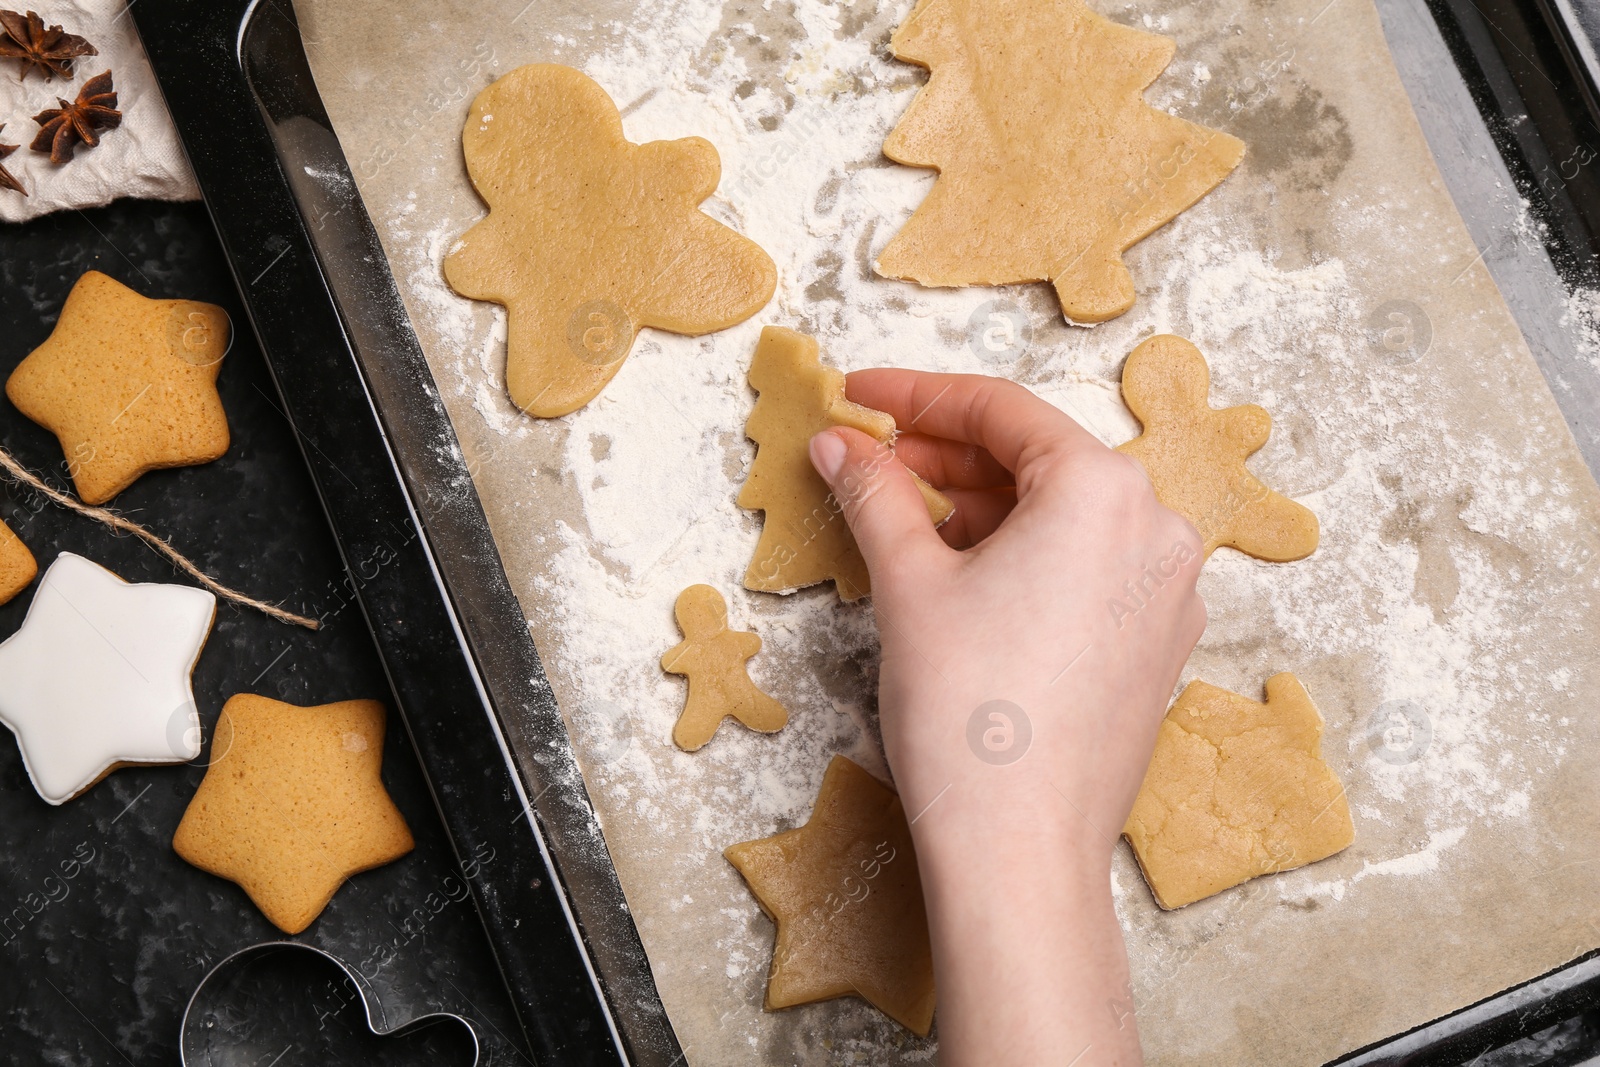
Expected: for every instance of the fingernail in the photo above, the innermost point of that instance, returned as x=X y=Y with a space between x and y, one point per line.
x=827 y=454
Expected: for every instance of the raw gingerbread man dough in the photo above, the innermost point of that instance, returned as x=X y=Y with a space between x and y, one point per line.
x=1194 y=455
x=804 y=538
x=127 y=384
x=1050 y=162
x=17 y=566
x=590 y=237
x=713 y=658
x=1236 y=789
x=847 y=898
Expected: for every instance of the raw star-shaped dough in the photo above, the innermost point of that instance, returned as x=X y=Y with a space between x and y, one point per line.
x=17 y=567
x=846 y=896
x=713 y=658
x=804 y=537
x=1195 y=455
x=1050 y=162
x=590 y=237
x=293 y=804
x=127 y=384
x=1236 y=789
x=99 y=676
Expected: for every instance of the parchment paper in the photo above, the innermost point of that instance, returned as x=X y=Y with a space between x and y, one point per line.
x=1454 y=593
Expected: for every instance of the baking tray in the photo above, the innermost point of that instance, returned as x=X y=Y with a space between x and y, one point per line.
x=452 y=636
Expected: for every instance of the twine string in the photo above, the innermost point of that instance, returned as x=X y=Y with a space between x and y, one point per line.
x=110 y=518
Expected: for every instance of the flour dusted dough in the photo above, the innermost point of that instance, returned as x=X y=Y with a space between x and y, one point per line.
x=713 y=658
x=804 y=538
x=17 y=566
x=1050 y=162
x=1195 y=455
x=590 y=237
x=847 y=898
x=1236 y=789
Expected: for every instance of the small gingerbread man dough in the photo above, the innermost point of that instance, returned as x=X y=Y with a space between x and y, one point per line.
x=804 y=537
x=713 y=658
x=1194 y=455
x=846 y=896
x=590 y=237
x=1236 y=789
x=127 y=384
x=17 y=566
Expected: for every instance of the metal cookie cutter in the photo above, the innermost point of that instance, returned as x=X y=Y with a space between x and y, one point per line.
x=264 y=1001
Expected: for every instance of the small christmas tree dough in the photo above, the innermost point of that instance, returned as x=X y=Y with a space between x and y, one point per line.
x=1195 y=455
x=127 y=384
x=1236 y=789
x=1050 y=162
x=293 y=804
x=590 y=237
x=804 y=537
x=713 y=658
x=847 y=898
x=17 y=566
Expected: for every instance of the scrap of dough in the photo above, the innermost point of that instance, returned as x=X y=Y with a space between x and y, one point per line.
x=713 y=658
x=846 y=896
x=590 y=237
x=1050 y=163
x=1236 y=789
x=293 y=804
x=127 y=384
x=17 y=566
x=804 y=537
x=1194 y=455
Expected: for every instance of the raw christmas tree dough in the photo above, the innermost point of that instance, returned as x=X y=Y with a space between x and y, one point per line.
x=127 y=384
x=1050 y=162
x=804 y=538
x=1195 y=455
x=1236 y=789
x=590 y=237
x=846 y=896
x=17 y=566
x=713 y=658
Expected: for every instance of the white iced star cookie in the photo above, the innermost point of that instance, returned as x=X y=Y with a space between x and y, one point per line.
x=99 y=676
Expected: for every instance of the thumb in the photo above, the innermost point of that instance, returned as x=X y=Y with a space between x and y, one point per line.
x=879 y=498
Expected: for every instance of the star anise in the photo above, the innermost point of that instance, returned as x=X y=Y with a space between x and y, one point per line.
x=7 y=179
x=49 y=50
x=61 y=128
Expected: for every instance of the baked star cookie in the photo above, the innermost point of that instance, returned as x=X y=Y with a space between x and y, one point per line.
x=713 y=658
x=804 y=537
x=293 y=804
x=1236 y=789
x=98 y=676
x=1050 y=163
x=847 y=898
x=590 y=236
x=17 y=567
x=1194 y=455
x=127 y=384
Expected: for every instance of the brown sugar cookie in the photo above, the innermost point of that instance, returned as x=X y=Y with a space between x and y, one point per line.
x=804 y=538
x=713 y=658
x=293 y=804
x=127 y=384
x=17 y=566
x=1236 y=789
x=847 y=898
x=590 y=237
x=1194 y=455
x=1050 y=162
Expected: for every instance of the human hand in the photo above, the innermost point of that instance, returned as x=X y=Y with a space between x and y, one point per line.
x=1019 y=707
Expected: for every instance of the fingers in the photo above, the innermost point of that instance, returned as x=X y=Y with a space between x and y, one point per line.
x=880 y=501
x=979 y=513
x=1000 y=416
x=951 y=464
